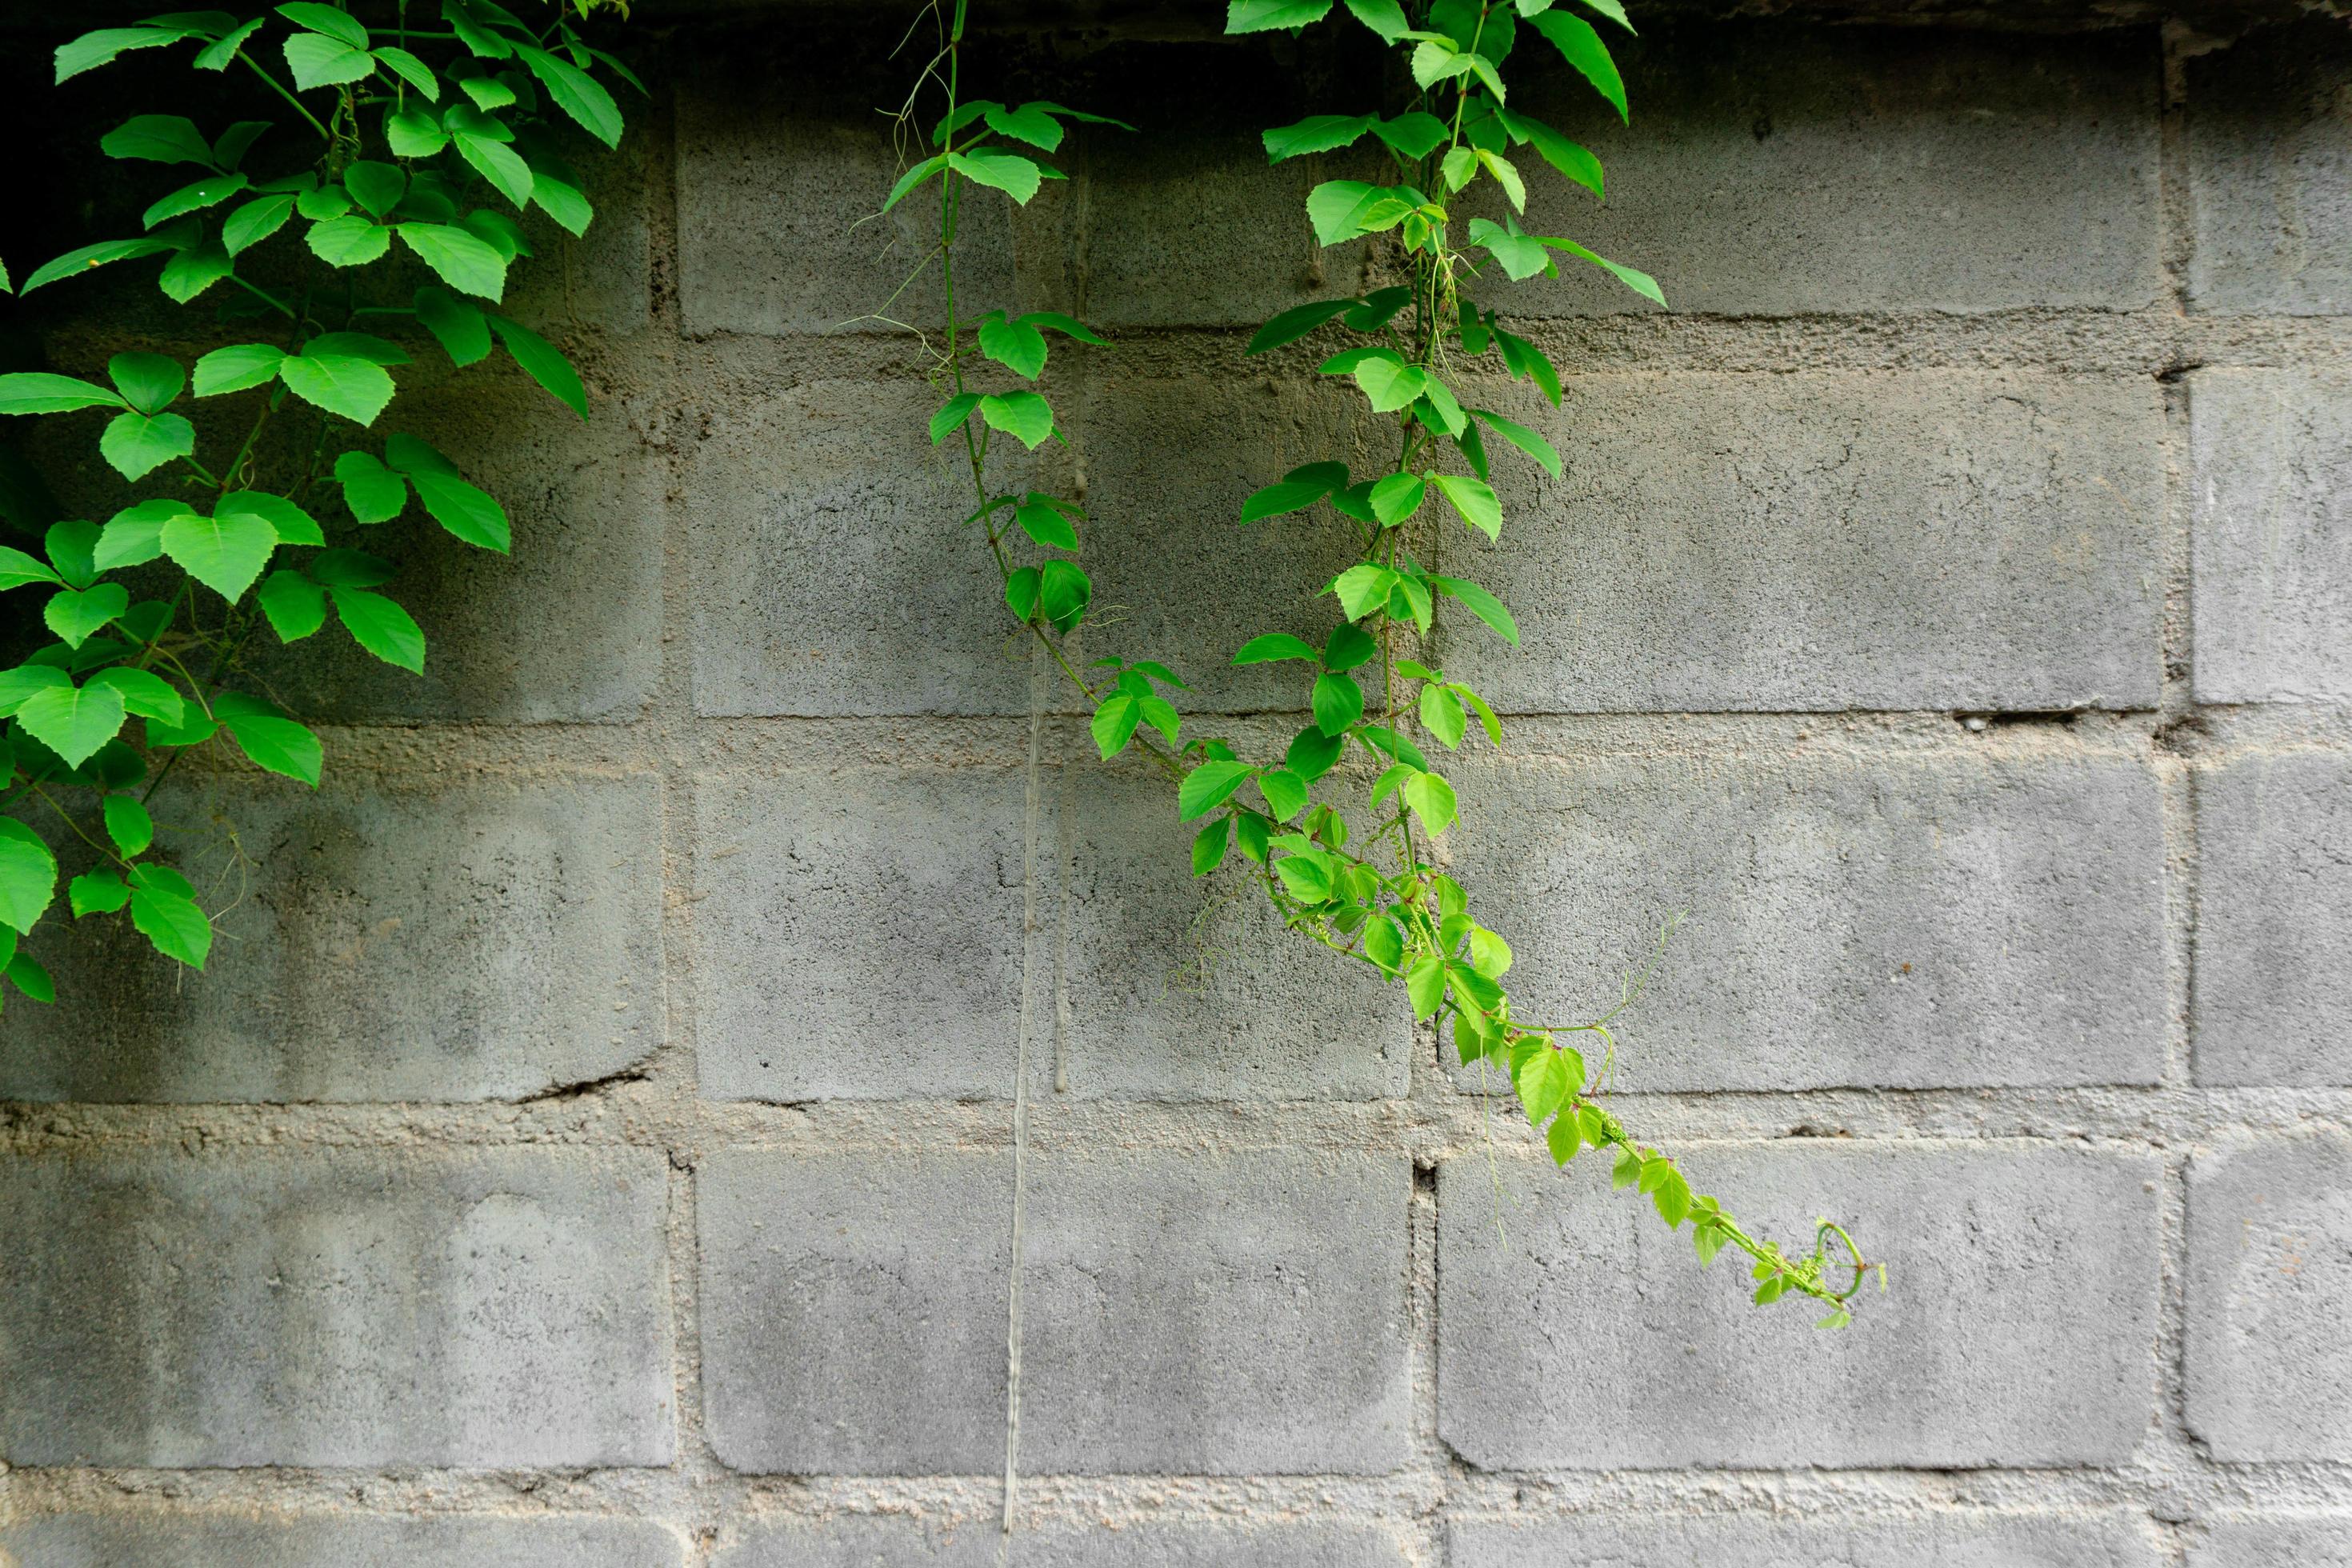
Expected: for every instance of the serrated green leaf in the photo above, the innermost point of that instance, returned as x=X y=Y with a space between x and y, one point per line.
x=355 y=388
x=1209 y=786
x=576 y=92
x=1274 y=646
x=39 y=392
x=296 y=607
x=381 y=626
x=1015 y=344
x=28 y=876
x=128 y=823
x=78 y=615
x=1581 y=47
x=543 y=362
x=143 y=692
x=73 y=721
x=237 y=367
x=1026 y=416
x=1209 y=845
x=136 y=445
x=317 y=61
x=169 y=919
x=462 y=259
x=1475 y=499
x=224 y=554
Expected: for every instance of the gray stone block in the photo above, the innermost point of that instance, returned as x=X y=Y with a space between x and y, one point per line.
x=474 y=1307
x=775 y=190
x=2019 y=1330
x=2272 y=1005
x=2312 y=1542
x=2273 y=534
x=566 y=627
x=1775 y=170
x=1917 y=922
x=894 y=1543
x=1825 y=539
x=397 y=937
x=2270 y=173
x=207 y=1540
x=2270 y=1283
x=859 y=936
x=1181 y=1314
x=1955 y=1539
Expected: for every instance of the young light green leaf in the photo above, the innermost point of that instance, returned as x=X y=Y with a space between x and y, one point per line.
x=1299 y=489
x=72 y=721
x=1317 y=133
x=1581 y=47
x=381 y=626
x=255 y=221
x=1063 y=592
x=1272 y=647
x=1424 y=982
x=158 y=139
x=1029 y=123
x=1209 y=845
x=1475 y=499
x=28 y=876
x=136 y=445
x=1332 y=205
x=1209 y=786
x=410 y=70
x=289 y=521
x=39 y=392
x=1414 y=135
x=194 y=270
x=1385 y=17
x=1441 y=715
x=18 y=569
x=1397 y=497
x=1285 y=793
x=1481 y=604
x=464 y=260
x=1525 y=440
x=1265 y=15
x=412 y=133
x=143 y=692
x=951 y=415
x=1338 y=702
x=372 y=492
x=463 y=511
x=216 y=55
x=1026 y=416
x=98 y=893
x=543 y=362
x=1432 y=800
x=74 y=262
x=92 y=51
x=204 y=192
x=1297 y=322
x=237 y=367
x=351 y=240
x=317 y=60
x=340 y=383
x=268 y=738
x=1363 y=588
x=76 y=615
x=128 y=823
x=1634 y=278
x=1016 y=176
x=1114 y=723
x=224 y=554
x=1016 y=345
x=576 y=92
x=166 y=911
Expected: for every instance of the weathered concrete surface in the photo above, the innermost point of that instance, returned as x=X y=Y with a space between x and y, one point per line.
x=2027 y=1284
x=861 y=931
x=2270 y=173
x=197 y=1540
x=1956 y=1540
x=1771 y=169
x=2273 y=534
x=2273 y=912
x=392 y=938
x=2317 y=1541
x=868 y=1542
x=2269 y=1264
x=853 y=1314
x=477 y=1307
x=1944 y=921
x=1804 y=540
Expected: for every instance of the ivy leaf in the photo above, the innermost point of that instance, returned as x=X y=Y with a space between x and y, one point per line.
x=463 y=512
x=1581 y=47
x=1285 y=792
x=1541 y=1079
x=559 y=196
x=74 y=262
x=1475 y=499
x=1397 y=497
x=135 y=535
x=377 y=187
x=237 y=367
x=1481 y=604
x=318 y=17
x=1016 y=345
x=1331 y=208
x=73 y=721
x=270 y=738
x=28 y=876
x=1209 y=786
x=1297 y=322
x=1317 y=133
x=1028 y=123
x=1522 y=255
x=1209 y=845
x=576 y=93
x=1634 y=278
x=462 y=330
x=290 y=522
x=1263 y=16
x=1525 y=440
x=296 y=607
x=72 y=546
x=224 y=554
x=39 y=392
x=1432 y=800
x=1441 y=715
x=1114 y=724
x=317 y=61
x=216 y=55
x=951 y=415
x=381 y=626
x=18 y=569
x=1338 y=702
x=412 y=133
x=164 y=910
x=76 y=615
x=1424 y=982
x=1064 y=592
x=1274 y=646
x=96 y=893
x=543 y=363
x=351 y=240
x=1385 y=17
x=1016 y=176
x=1299 y=489
x=372 y=492
x=1363 y=588
x=158 y=139
x=1026 y=416
x=143 y=692
x=463 y=259
x=128 y=823
x=410 y=70
x=1044 y=522
x=203 y=194
x=92 y=51
x=136 y=445
x=340 y=383
x=1415 y=135
x=192 y=270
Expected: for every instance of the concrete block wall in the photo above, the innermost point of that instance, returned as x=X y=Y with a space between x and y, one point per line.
x=592 y=1143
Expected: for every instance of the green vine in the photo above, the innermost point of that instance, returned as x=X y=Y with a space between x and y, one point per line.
x=1360 y=882
x=156 y=615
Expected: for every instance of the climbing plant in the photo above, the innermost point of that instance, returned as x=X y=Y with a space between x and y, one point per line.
x=1344 y=853
x=371 y=218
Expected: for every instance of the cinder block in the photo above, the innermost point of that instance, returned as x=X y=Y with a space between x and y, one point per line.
x=1776 y=170
x=397 y=938
x=203 y=1540
x=1911 y=921
x=567 y=626
x=1953 y=1538
x=2270 y=1284
x=2312 y=1542
x=860 y=936
x=894 y=1543
x=775 y=190
x=472 y=1308
x=2273 y=538
x=2270 y=173
x=2274 y=905
x=1181 y=1314
x=1824 y=539
x=2019 y=1329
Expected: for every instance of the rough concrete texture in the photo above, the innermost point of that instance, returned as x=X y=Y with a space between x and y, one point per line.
x=860 y=921
x=397 y=938
x=2270 y=1261
x=195 y=1540
x=1952 y=922
x=2274 y=1001
x=2273 y=534
x=900 y=1543
x=853 y=1310
x=1972 y=1539
x=496 y=1307
x=2018 y=1335
x=2270 y=172
x=2313 y=1542
x=1945 y=604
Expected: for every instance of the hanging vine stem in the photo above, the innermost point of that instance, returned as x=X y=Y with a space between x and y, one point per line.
x=1379 y=900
